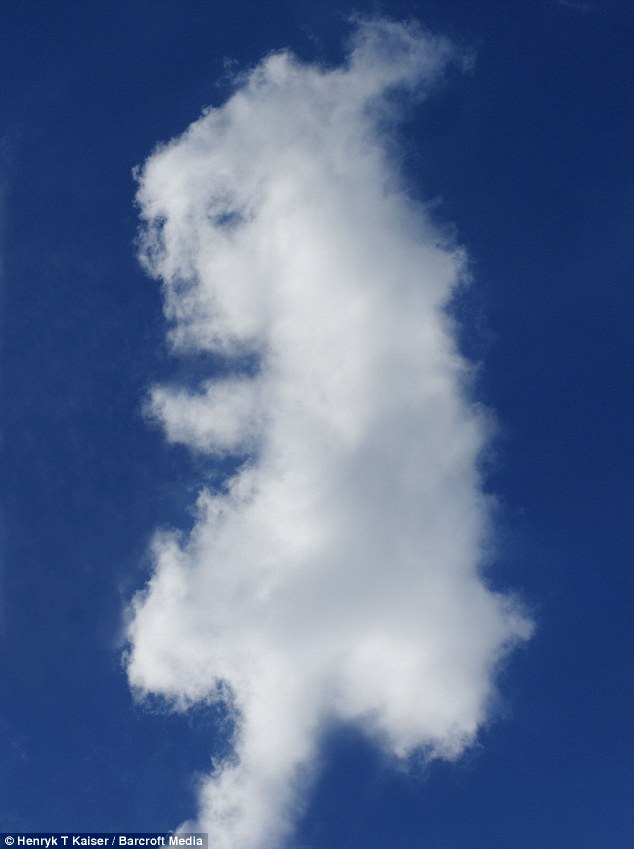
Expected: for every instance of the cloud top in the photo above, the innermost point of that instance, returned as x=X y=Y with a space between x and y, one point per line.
x=336 y=575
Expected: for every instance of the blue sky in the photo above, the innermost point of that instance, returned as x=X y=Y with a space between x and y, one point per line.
x=527 y=158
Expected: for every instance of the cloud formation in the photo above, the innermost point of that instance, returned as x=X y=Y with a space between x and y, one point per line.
x=336 y=575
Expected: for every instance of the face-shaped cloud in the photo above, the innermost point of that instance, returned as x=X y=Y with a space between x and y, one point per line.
x=336 y=576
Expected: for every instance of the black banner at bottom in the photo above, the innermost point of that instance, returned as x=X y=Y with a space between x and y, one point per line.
x=115 y=840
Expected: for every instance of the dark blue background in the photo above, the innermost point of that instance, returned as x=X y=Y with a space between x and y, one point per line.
x=532 y=157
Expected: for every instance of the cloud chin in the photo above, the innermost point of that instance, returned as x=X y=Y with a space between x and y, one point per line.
x=336 y=575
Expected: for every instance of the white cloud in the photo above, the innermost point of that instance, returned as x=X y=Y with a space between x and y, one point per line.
x=337 y=578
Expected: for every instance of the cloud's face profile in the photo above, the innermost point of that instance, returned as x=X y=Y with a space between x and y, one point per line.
x=336 y=576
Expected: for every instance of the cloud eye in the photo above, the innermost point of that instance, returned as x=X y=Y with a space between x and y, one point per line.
x=225 y=216
x=229 y=219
